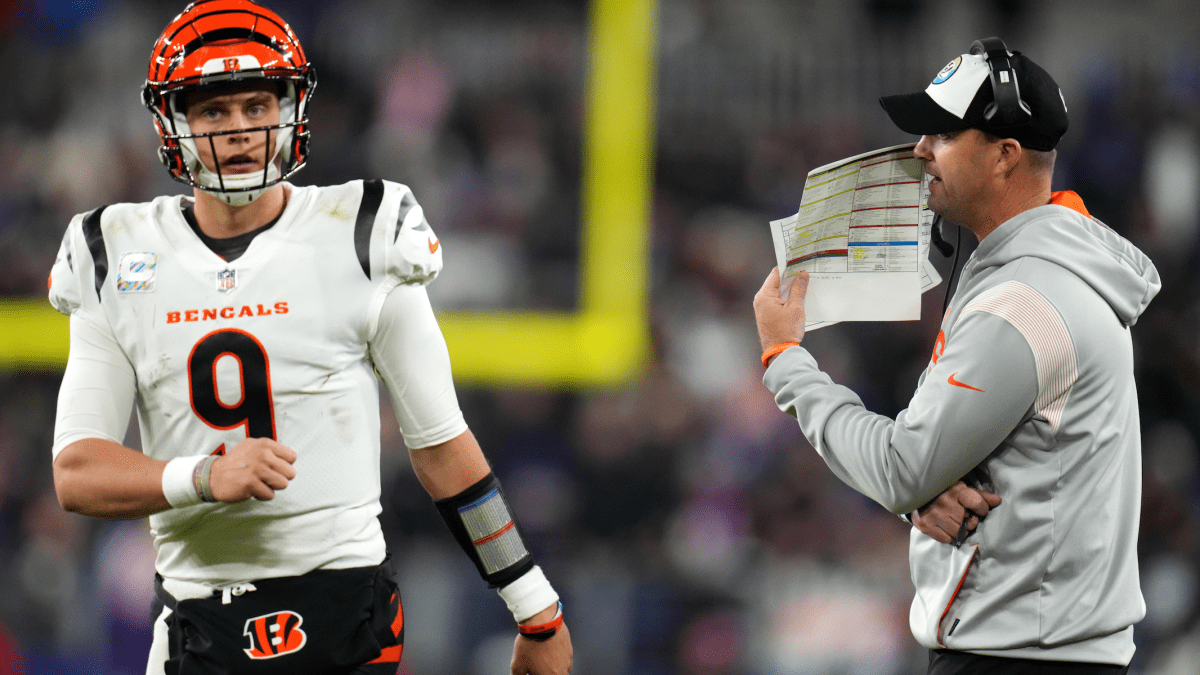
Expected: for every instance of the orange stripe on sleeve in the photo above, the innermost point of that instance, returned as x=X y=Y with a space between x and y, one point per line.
x=497 y=533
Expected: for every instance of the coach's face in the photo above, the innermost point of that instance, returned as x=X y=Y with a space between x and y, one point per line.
x=960 y=184
x=224 y=110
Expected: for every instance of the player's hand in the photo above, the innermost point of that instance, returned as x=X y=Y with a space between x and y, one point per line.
x=255 y=467
x=549 y=657
x=943 y=517
x=780 y=320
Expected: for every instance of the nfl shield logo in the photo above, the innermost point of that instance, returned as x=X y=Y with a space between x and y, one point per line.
x=226 y=280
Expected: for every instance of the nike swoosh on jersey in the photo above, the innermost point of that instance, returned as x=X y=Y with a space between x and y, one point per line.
x=434 y=244
x=956 y=383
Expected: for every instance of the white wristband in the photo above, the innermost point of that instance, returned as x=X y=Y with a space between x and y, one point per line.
x=529 y=594
x=177 y=484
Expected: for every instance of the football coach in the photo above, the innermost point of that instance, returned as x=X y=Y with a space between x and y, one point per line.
x=1029 y=392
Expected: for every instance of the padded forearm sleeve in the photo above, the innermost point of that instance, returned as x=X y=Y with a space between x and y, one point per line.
x=483 y=525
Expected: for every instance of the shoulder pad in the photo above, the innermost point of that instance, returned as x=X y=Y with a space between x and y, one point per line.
x=402 y=246
x=81 y=266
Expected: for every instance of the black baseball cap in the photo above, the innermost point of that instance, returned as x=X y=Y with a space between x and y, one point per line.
x=961 y=97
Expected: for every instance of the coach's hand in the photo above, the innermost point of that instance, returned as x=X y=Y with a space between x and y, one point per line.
x=943 y=517
x=549 y=657
x=255 y=467
x=780 y=320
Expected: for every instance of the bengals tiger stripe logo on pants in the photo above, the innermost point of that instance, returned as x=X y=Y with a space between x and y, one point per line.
x=274 y=635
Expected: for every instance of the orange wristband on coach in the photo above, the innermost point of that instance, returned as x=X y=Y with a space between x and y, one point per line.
x=776 y=349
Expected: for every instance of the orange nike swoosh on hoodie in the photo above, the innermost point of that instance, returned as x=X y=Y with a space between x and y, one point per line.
x=956 y=383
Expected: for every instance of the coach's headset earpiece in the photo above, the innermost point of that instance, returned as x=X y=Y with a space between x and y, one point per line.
x=1008 y=109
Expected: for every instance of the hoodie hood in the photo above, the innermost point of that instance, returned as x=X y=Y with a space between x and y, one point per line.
x=1117 y=270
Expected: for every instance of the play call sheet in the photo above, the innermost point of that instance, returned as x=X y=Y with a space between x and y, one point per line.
x=862 y=233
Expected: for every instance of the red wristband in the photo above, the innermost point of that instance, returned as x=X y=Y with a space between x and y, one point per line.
x=543 y=631
x=777 y=349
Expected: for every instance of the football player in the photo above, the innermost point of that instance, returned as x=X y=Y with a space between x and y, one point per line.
x=248 y=323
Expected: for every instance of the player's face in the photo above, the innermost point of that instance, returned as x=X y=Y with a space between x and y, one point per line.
x=235 y=153
x=959 y=176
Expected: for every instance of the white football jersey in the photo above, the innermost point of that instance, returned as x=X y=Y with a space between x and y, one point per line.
x=273 y=344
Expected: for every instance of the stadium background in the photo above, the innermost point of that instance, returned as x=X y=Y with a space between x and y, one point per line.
x=688 y=524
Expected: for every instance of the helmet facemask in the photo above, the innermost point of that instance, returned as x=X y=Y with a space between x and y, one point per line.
x=237 y=189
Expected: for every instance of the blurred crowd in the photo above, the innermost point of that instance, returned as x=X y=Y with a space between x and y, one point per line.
x=688 y=524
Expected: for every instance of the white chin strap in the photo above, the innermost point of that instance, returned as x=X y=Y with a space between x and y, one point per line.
x=231 y=188
x=233 y=192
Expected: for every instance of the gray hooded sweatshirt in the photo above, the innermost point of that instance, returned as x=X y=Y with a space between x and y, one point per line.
x=1030 y=391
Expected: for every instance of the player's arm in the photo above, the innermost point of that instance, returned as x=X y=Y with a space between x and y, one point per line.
x=410 y=355
x=93 y=473
x=97 y=476
x=452 y=468
x=104 y=479
x=448 y=468
x=457 y=476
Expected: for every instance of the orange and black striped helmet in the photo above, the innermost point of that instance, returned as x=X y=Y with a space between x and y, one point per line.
x=213 y=42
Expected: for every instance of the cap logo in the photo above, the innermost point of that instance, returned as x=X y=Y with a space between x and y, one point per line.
x=949 y=70
x=957 y=84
